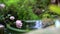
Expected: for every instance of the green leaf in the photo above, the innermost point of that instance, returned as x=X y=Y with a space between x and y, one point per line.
x=54 y=9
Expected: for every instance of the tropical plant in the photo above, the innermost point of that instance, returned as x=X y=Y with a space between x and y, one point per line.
x=54 y=9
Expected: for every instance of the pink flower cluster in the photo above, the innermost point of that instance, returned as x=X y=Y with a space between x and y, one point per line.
x=12 y=17
x=18 y=24
x=2 y=5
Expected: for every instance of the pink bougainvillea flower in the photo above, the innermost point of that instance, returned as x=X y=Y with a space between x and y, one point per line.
x=12 y=17
x=18 y=24
x=2 y=5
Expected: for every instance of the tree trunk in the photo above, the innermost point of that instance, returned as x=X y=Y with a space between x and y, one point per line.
x=58 y=2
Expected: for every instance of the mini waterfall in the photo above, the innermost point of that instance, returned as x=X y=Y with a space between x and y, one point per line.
x=38 y=24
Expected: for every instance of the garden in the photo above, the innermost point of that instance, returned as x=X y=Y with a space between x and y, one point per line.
x=21 y=16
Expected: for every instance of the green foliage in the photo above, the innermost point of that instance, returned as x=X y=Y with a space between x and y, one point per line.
x=9 y=2
x=42 y=3
x=22 y=8
x=46 y=16
x=54 y=9
x=25 y=12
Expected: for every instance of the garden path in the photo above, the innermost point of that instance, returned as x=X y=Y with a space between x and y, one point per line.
x=48 y=30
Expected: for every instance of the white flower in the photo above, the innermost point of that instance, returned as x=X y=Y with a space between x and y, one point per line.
x=18 y=24
x=2 y=5
x=1 y=26
x=43 y=10
x=12 y=18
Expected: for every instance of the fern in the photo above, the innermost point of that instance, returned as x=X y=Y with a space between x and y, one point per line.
x=54 y=9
